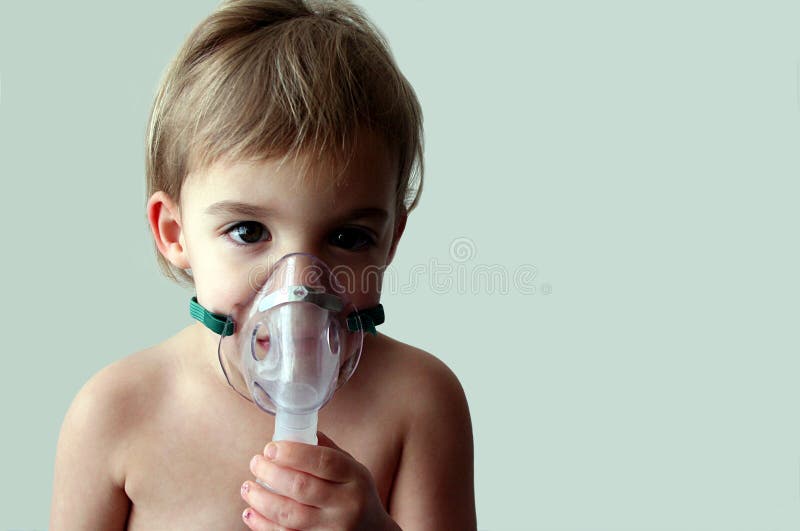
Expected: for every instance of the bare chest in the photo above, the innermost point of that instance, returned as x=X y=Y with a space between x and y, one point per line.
x=185 y=468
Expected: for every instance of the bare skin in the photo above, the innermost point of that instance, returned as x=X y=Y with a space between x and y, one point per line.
x=174 y=442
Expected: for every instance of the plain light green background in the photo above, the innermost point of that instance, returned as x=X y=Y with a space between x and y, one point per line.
x=641 y=156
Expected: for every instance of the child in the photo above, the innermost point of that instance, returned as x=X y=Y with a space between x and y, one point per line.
x=282 y=126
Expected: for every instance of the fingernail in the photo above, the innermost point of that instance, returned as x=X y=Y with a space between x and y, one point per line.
x=253 y=463
x=245 y=488
x=272 y=450
x=247 y=513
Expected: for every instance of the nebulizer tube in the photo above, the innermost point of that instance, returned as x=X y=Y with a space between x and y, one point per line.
x=295 y=427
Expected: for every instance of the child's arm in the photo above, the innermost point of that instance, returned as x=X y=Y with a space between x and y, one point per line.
x=88 y=488
x=434 y=486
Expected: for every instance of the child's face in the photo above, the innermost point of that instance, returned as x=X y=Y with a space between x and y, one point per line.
x=237 y=219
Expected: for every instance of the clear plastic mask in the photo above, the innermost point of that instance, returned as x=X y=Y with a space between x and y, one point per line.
x=293 y=345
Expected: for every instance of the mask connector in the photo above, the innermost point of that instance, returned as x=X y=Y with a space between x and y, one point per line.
x=295 y=427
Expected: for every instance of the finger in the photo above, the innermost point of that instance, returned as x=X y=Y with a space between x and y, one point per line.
x=255 y=521
x=324 y=462
x=299 y=486
x=269 y=510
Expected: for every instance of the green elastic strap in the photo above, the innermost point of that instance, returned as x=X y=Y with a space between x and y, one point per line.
x=217 y=323
x=366 y=320
x=220 y=324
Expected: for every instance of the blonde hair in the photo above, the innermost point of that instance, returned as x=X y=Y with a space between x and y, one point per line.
x=273 y=78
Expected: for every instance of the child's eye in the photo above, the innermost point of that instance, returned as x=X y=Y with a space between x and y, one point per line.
x=248 y=233
x=352 y=239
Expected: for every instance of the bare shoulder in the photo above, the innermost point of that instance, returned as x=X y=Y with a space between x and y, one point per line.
x=89 y=477
x=428 y=386
x=113 y=401
x=437 y=440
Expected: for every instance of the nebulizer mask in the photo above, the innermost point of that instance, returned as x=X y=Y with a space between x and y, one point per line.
x=291 y=346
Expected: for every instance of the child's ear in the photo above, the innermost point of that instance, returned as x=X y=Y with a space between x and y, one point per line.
x=399 y=227
x=165 y=224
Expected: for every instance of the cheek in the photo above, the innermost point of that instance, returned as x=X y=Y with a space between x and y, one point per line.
x=221 y=286
x=363 y=285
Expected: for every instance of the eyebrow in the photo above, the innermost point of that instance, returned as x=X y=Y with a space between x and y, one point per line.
x=378 y=213
x=238 y=208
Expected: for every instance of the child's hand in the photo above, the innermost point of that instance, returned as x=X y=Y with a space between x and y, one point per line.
x=315 y=488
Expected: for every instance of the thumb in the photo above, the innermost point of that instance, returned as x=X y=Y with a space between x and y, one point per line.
x=324 y=440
